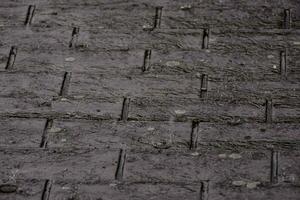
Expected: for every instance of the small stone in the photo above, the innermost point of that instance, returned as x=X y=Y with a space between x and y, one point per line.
x=151 y=129
x=223 y=155
x=147 y=27
x=66 y=188
x=64 y=99
x=274 y=66
x=157 y=143
x=235 y=156
x=63 y=140
x=113 y=185
x=296 y=43
x=79 y=97
x=238 y=183
x=180 y=112
x=172 y=63
x=70 y=59
x=8 y=188
x=270 y=56
x=195 y=154
x=54 y=130
x=252 y=185
x=185 y=7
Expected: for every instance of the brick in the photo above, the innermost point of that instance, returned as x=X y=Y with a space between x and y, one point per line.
x=88 y=62
x=94 y=85
x=235 y=131
x=260 y=192
x=209 y=166
x=28 y=107
x=59 y=165
x=26 y=189
x=32 y=85
x=100 y=109
x=21 y=132
x=12 y=15
x=287 y=111
x=251 y=41
x=183 y=109
x=287 y=167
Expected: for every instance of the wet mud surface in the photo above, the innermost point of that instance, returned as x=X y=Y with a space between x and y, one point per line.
x=116 y=99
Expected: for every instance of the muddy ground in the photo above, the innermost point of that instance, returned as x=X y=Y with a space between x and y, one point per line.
x=115 y=99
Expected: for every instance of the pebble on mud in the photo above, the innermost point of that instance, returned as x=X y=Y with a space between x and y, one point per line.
x=239 y=183
x=232 y=156
x=172 y=63
x=147 y=27
x=113 y=185
x=195 y=154
x=79 y=97
x=235 y=156
x=8 y=188
x=249 y=185
x=55 y=130
x=252 y=185
x=185 y=7
x=296 y=43
x=151 y=129
x=223 y=155
x=70 y=59
x=180 y=112
x=64 y=99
